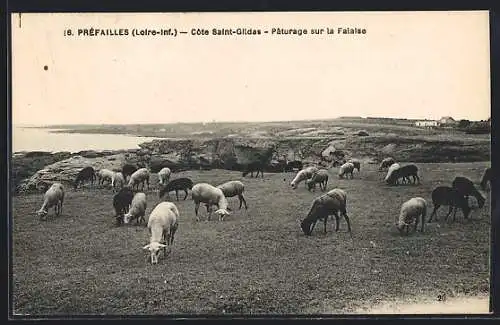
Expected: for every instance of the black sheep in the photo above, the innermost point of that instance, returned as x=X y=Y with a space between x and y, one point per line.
x=179 y=184
x=121 y=203
x=465 y=187
x=445 y=195
x=86 y=174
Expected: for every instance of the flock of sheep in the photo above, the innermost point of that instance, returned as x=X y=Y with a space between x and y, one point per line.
x=163 y=219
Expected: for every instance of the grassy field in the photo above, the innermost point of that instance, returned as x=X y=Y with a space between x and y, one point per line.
x=255 y=262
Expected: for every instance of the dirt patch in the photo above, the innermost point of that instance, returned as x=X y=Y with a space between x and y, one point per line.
x=455 y=305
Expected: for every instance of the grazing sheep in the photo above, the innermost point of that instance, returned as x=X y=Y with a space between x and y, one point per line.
x=234 y=188
x=128 y=170
x=321 y=177
x=210 y=195
x=411 y=210
x=121 y=203
x=324 y=206
x=465 y=187
x=486 y=179
x=356 y=163
x=117 y=179
x=445 y=195
x=140 y=176
x=162 y=225
x=256 y=166
x=302 y=175
x=137 y=209
x=54 y=197
x=346 y=169
x=105 y=174
x=179 y=184
x=386 y=163
x=86 y=174
x=391 y=169
x=164 y=175
x=404 y=172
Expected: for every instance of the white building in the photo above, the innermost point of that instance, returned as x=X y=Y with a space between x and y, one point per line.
x=427 y=124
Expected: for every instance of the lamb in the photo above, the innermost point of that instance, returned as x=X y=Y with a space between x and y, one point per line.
x=410 y=212
x=465 y=187
x=323 y=206
x=346 y=169
x=386 y=162
x=486 y=179
x=86 y=174
x=445 y=195
x=234 y=188
x=105 y=174
x=53 y=197
x=302 y=175
x=321 y=177
x=139 y=176
x=391 y=169
x=117 y=179
x=177 y=185
x=356 y=163
x=164 y=175
x=404 y=172
x=121 y=203
x=162 y=225
x=128 y=170
x=210 y=195
x=137 y=209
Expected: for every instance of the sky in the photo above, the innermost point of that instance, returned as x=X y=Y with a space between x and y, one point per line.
x=418 y=65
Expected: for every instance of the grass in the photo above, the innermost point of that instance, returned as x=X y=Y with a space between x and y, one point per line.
x=255 y=262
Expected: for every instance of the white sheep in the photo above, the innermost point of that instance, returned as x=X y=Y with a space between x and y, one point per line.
x=117 y=179
x=410 y=212
x=162 y=225
x=321 y=177
x=234 y=188
x=356 y=163
x=346 y=169
x=164 y=175
x=105 y=174
x=391 y=169
x=137 y=209
x=53 y=197
x=302 y=175
x=139 y=176
x=210 y=195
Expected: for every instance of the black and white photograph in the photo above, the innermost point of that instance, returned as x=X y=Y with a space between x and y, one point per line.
x=250 y=163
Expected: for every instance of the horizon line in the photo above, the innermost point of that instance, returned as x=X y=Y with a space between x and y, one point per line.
x=241 y=122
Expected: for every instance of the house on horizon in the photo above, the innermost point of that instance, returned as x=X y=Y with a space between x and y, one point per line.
x=447 y=121
x=427 y=124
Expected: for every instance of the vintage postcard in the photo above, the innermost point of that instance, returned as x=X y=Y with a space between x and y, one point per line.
x=297 y=163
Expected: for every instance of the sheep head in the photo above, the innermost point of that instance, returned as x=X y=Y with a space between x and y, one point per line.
x=222 y=213
x=154 y=250
x=42 y=214
x=126 y=218
x=305 y=225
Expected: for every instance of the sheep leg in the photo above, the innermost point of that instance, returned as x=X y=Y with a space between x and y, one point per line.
x=348 y=222
x=415 y=225
x=324 y=224
x=454 y=213
x=337 y=221
x=418 y=179
x=177 y=194
x=196 y=207
x=450 y=210
x=312 y=226
x=423 y=222
x=434 y=212
x=185 y=191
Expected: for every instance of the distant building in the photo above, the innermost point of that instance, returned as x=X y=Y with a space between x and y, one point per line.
x=447 y=121
x=427 y=124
